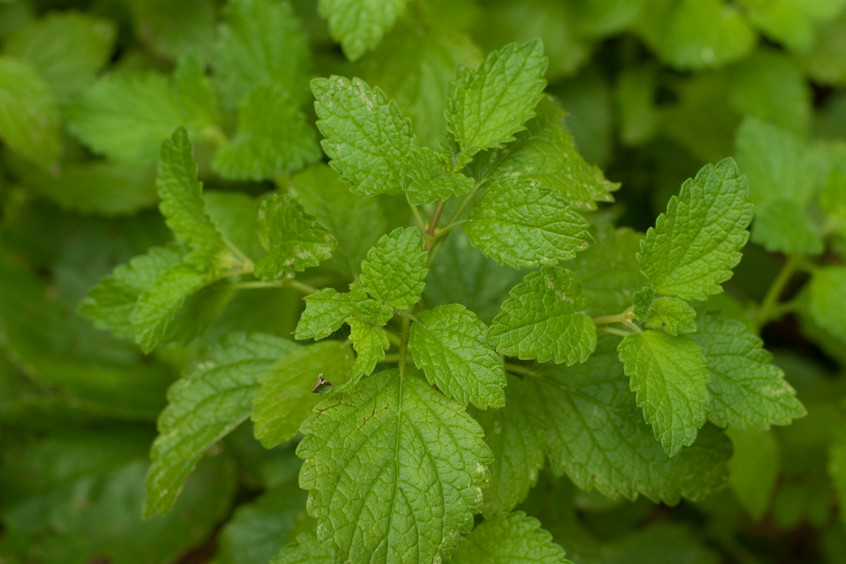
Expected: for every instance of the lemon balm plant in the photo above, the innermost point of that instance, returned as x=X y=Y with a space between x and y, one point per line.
x=398 y=267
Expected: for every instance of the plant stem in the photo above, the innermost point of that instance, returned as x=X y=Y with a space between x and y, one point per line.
x=417 y=217
x=622 y=317
x=769 y=308
x=520 y=369
x=393 y=338
x=433 y=222
x=287 y=283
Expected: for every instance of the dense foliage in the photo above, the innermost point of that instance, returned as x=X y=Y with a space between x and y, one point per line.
x=422 y=280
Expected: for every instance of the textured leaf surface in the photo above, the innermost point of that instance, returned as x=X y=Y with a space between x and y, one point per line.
x=670 y=379
x=515 y=436
x=488 y=105
x=827 y=299
x=509 y=539
x=326 y=310
x=394 y=470
x=427 y=177
x=370 y=343
x=394 y=270
x=523 y=225
x=595 y=433
x=546 y=154
x=213 y=397
x=29 y=115
x=286 y=398
x=293 y=239
x=747 y=390
x=542 y=320
x=696 y=242
x=306 y=550
x=273 y=137
x=448 y=344
x=261 y=43
x=671 y=315
x=364 y=134
x=360 y=25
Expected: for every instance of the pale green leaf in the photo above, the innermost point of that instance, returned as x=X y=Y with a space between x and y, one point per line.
x=782 y=225
x=394 y=470
x=261 y=42
x=524 y=225
x=355 y=222
x=747 y=390
x=175 y=29
x=448 y=344
x=306 y=550
x=696 y=242
x=542 y=320
x=370 y=343
x=791 y=22
x=326 y=310
x=491 y=103
x=273 y=137
x=213 y=397
x=394 y=271
x=293 y=239
x=359 y=25
x=753 y=469
x=515 y=436
x=287 y=393
x=67 y=48
x=546 y=153
x=29 y=114
x=235 y=214
x=365 y=136
x=158 y=305
x=670 y=380
x=509 y=539
x=671 y=315
x=194 y=93
x=427 y=177
x=827 y=299
x=182 y=199
x=595 y=433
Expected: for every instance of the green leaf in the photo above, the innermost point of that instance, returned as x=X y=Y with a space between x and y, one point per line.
x=29 y=115
x=488 y=105
x=213 y=397
x=427 y=177
x=747 y=390
x=360 y=26
x=306 y=550
x=394 y=470
x=172 y=30
x=261 y=43
x=671 y=315
x=696 y=242
x=394 y=271
x=355 y=222
x=273 y=137
x=293 y=239
x=193 y=91
x=753 y=469
x=827 y=299
x=792 y=22
x=545 y=153
x=523 y=225
x=286 y=396
x=837 y=469
x=595 y=433
x=370 y=343
x=365 y=136
x=670 y=379
x=158 y=305
x=508 y=539
x=515 y=436
x=67 y=48
x=542 y=320
x=448 y=344
x=326 y=310
x=111 y=302
x=782 y=225
x=182 y=199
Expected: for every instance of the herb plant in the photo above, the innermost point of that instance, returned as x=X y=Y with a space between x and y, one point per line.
x=454 y=337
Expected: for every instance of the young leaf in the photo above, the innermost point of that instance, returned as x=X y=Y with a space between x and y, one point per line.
x=427 y=178
x=287 y=393
x=394 y=271
x=515 y=436
x=670 y=378
x=326 y=310
x=489 y=104
x=595 y=433
x=273 y=137
x=827 y=299
x=747 y=390
x=448 y=344
x=523 y=225
x=261 y=43
x=696 y=242
x=394 y=470
x=294 y=240
x=514 y=537
x=214 y=396
x=182 y=199
x=542 y=320
x=359 y=26
x=671 y=315
x=370 y=343
x=365 y=136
